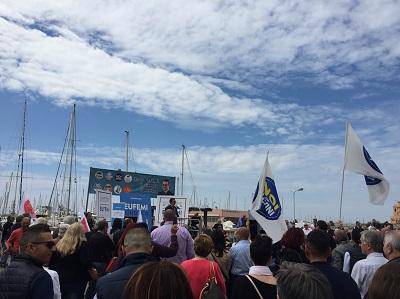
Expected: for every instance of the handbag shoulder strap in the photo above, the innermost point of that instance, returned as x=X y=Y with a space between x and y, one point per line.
x=254 y=286
x=219 y=265
x=212 y=270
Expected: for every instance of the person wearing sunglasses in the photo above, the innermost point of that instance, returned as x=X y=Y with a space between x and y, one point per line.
x=25 y=276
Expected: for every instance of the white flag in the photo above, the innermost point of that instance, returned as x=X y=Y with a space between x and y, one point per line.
x=140 y=217
x=358 y=160
x=266 y=208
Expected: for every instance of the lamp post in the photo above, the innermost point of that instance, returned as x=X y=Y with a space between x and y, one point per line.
x=294 y=204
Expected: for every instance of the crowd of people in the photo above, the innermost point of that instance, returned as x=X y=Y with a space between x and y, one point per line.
x=131 y=260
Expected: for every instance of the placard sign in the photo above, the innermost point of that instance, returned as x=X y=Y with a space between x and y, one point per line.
x=138 y=205
x=118 y=210
x=163 y=201
x=103 y=200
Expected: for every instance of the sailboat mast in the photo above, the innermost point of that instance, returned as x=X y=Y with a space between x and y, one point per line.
x=16 y=184
x=22 y=154
x=72 y=144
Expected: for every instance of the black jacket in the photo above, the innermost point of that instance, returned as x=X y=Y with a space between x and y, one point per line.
x=72 y=268
x=100 y=248
x=6 y=231
x=25 y=278
x=292 y=255
x=165 y=193
x=396 y=261
x=352 y=248
x=113 y=285
x=343 y=286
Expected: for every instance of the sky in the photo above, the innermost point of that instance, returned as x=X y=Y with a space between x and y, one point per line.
x=230 y=80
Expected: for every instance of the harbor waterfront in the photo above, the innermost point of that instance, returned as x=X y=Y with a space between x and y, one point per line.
x=199 y=149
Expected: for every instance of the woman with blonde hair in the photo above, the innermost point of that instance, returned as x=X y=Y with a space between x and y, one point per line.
x=71 y=262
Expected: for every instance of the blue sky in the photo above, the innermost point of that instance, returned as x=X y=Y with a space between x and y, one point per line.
x=229 y=80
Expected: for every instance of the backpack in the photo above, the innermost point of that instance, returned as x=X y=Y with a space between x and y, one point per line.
x=211 y=289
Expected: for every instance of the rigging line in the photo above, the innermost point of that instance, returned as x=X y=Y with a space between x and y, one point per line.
x=190 y=171
x=133 y=157
x=65 y=172
x=8 y=192
x=58 y=167
x=191 y=177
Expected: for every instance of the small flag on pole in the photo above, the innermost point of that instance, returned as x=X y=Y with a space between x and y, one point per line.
x=140 y=217
x=26 y=208
x=85 y=224
x=358 y=160
x=266 y=208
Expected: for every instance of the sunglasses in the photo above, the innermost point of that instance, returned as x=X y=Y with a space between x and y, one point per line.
x=49 y=244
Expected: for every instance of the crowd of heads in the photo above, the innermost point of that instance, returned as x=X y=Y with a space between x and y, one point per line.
x=164 y=279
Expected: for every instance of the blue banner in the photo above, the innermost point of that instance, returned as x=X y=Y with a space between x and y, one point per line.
x=138 y=205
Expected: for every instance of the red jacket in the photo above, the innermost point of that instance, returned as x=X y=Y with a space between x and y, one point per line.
x=198 y=272
x=13 y=241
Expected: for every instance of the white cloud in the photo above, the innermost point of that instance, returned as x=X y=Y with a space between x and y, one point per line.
x=151 y=58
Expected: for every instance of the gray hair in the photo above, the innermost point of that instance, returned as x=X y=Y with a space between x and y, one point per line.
x=41 y=220
x=302 y=281
x=374 y=239
x=341 y=235
x=393 y=238
x=70 y=219
x=62 y=229
x=138 y=238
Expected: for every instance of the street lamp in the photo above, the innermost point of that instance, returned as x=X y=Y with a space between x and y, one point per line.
x=294 y=205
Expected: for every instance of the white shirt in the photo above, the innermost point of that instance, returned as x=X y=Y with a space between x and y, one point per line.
x=56 y=282
x=307 y=231
x=364 y=270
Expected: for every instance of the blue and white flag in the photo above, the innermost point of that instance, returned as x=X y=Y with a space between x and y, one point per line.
x=357 y=159
x=266 y=208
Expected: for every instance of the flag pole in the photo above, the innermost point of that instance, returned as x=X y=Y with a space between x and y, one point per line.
x=344 y=164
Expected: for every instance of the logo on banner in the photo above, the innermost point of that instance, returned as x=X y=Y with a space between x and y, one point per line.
x=128 y=178
x=270 y=207
x=108 y=176
x=98 y=175
x=117 y=189
x=370 y=180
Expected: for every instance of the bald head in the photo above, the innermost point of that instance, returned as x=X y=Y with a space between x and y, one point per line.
x=391 y=245
x=242 y=234
x=169 y=215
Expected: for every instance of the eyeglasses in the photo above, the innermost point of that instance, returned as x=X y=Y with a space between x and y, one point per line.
x=49 y=244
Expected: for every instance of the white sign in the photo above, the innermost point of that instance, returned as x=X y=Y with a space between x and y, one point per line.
x=103 y=200
x=163 y=201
